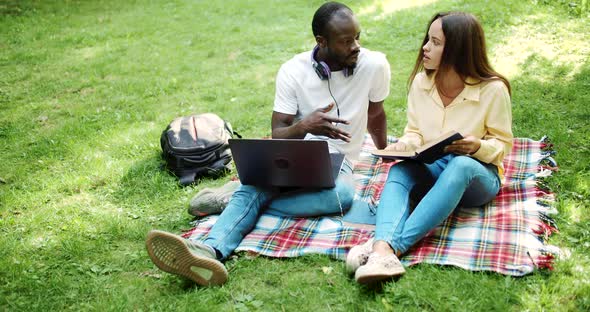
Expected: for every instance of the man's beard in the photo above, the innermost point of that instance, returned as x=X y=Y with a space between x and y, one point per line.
x=341 y=59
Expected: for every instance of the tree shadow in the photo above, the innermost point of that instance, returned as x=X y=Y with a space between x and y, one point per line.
x=556 y=106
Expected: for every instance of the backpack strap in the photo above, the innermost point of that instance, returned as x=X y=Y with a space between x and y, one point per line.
x=229 y=128
x=187 y=178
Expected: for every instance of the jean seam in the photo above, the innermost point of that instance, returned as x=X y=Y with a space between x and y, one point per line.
x=396 y=223
x=233 y=225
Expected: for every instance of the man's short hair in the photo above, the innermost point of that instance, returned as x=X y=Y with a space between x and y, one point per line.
x=323 y=16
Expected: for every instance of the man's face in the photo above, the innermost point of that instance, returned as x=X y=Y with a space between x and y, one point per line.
x=343 y=42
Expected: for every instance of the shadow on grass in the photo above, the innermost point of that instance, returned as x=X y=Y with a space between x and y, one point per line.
x=557 y=106
x=146 y=181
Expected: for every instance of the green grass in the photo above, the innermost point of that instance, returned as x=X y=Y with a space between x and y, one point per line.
x=86 y=87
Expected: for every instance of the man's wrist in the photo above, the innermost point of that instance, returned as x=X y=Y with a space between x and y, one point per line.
x=294 y=131
x=300 y=128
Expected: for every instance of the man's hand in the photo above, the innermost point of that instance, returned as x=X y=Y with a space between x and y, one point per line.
x=320 y=123
x=467 y=146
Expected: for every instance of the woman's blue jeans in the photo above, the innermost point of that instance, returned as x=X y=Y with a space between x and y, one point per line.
x=248 y=202
x=438 y=188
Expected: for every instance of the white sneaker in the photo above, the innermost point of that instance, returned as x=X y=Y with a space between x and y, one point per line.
x=358 y=255
x=379 y=268
x=212 y=200
x=192 y=260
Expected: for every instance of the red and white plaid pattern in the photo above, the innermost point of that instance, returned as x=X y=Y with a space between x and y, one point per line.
x=506 y=236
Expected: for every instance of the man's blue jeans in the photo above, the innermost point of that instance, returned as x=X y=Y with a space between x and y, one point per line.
x=248 y=202
x=439 y=188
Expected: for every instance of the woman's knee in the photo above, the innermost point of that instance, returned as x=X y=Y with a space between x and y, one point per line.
x=462 y=168
x=463 y=164
x=469 y=174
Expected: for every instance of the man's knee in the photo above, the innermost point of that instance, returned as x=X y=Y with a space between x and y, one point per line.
x=249 y=189
x=345 y=189
x=251 y=192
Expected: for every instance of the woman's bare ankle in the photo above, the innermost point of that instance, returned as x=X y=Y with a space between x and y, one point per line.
x=382 y=248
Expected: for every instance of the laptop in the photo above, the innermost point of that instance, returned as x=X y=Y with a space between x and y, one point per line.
x=285 y=162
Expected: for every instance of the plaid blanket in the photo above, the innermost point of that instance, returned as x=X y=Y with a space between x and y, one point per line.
x=506 y=236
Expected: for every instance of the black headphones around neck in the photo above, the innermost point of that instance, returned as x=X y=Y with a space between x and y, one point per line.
x=323 y=70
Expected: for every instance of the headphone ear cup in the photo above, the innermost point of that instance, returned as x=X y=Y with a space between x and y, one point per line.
x=321 y=69
x=349 y=71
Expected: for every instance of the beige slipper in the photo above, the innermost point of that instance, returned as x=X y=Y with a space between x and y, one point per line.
x=358 y=255
x=379 y=268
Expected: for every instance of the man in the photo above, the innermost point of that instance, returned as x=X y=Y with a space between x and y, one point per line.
x=334 y=93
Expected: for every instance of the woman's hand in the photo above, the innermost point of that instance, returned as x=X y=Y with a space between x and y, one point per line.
x=397 y=146
x=466 y=146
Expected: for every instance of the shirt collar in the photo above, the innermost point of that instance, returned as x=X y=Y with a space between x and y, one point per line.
x=471 y=91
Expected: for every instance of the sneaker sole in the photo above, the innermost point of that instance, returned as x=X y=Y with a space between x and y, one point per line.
x=170 y=254
x=198 y=213
x=375 y=278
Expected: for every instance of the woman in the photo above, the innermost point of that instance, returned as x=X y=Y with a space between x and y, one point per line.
x=453 y=87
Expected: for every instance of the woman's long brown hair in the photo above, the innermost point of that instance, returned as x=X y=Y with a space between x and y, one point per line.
x=464 y=51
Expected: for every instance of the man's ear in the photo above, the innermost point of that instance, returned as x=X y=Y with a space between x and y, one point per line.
x=321 y=41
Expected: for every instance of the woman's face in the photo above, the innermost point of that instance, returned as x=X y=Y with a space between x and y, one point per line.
x=433 y=49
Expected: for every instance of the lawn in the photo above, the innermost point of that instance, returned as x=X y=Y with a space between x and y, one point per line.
x=86 y=87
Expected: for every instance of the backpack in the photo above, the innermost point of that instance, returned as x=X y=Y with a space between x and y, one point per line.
x=196 y=146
